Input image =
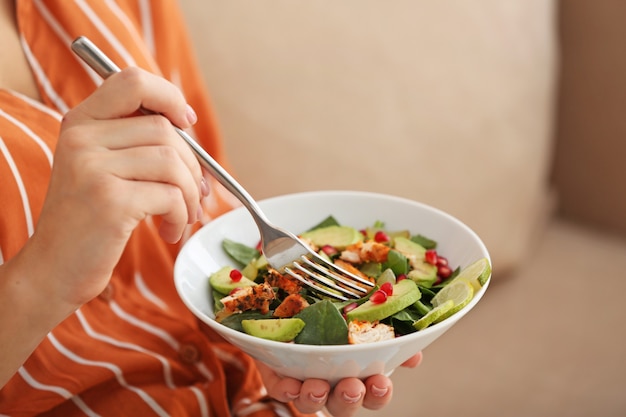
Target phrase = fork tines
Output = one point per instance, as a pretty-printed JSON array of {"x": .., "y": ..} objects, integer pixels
[{"x": 329, "y": 279}]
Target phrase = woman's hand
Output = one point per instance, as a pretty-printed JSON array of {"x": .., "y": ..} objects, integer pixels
[
  {"x": 113, "y": 167},
  {"x": 344, "y": 400}
]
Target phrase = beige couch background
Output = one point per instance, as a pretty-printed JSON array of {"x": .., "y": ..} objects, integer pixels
[
  {"x": 449, "y": 103},
  {"x": 509, "y": 114}
]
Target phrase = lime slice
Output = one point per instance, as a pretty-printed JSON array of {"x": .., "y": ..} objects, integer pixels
[
  {"x": 476, "y": 273},
  {"x": 460, "y": 292},
  {"x": 433, "y": 315}
]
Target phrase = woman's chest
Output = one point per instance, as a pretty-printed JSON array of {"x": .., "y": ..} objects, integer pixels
[{"x": 15, "y": 72}]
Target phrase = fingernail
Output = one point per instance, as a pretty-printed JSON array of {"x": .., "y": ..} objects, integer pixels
[
  {"x": 351, "y": 398},
  {"x": 199, "y": 213},
  {"x": 318, "y": 398},
  {"x": 378, "y": 391},
  {"x": 204, "y": 187},
  {"x": 291, "y": 396},
  {"x": 192, "y": 117}
]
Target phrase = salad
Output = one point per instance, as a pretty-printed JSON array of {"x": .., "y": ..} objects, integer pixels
[{"x": 413, "y": 287}]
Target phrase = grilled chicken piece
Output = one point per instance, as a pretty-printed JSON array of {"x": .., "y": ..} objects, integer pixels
[
  {"x": 368, "y": 332},
  {"x": 257, "y": 297},
  {"x": 347, "y": 266},
  {"x": 370, "y": 251},
  {"x": 291, "y": 305},
  {"x": 285, "y": 282}
]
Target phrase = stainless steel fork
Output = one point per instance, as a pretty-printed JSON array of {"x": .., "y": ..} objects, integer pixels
[{"x": 283, "y": 250}]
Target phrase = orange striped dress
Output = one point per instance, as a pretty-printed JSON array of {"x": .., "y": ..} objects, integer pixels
[{"x": 135, "y": 349}]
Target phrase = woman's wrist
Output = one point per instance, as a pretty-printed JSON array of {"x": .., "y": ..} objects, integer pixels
[{"x": 28, "y": 311}]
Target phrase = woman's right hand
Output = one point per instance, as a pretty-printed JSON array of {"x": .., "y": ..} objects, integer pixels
[{"x": 113, "y": 167}]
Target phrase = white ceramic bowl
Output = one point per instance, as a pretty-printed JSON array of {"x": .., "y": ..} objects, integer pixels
[{"x": 202, "y": 254}]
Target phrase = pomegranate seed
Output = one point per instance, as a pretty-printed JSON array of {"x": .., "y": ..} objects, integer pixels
[
  {"x": 400, "y": 277},
  {"x": 350, "y": 307},
  {"x": 235, "y": 275},
  {"x": 259, "y": 247},
  {"x": 444, "y": 271},
  {"x": 442, "y": 261},
  {"x": 381, "y": 237},
  {"x": 431, "y": 256},
  {"x": 329, "y": 250},
  {"x": 234, "y": 291},
  {"x": 378, "y": 297},
  {"x": 363, "y": 232},
  {"x": 387, "y": 288}
]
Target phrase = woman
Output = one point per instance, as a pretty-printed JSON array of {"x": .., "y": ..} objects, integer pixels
[{"x": 90, "y": 322}]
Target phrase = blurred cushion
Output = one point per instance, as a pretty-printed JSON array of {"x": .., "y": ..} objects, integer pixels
[
  {"x": 589, "y": 171},
  {"x": 449, "y": 103}
]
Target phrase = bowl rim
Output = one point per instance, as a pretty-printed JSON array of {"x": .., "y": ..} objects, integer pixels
[{"x": 344, "y": 348}]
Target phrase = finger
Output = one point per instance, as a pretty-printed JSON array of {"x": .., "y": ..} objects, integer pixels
[
  {"x": 136, "y": 200},
  {"x": 138, "y": 132},
  {"x": 155, "y": 164},
  {"x": 313, "y": 396},
  {"x": 347, "y": 397},
  {"x": 158, "y": 199},
  {"x": 414, "y": 361},
  {"x": 144, "y": 131},
  {"x": 205, "y": 188},
  {"x": 379, "y": 390},
  {"x": 282, "y": 389},
  {"x": 132, "y": 89},
  {"x": 171, "y": 232}
]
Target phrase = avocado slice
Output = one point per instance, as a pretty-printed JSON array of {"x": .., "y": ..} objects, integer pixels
[
  {"x": 279, "y": 330},
  {"x": 404, "y": 294},
  {"x": 339, "y": 237},
  {"x": 386, "y": 276},
  {"x": 409, "y": 248},
  {"x": 221, "y": 282},
  {"x": 423, "y": 273}
]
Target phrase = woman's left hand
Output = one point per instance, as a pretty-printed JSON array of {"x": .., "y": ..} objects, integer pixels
[{"x": 344, "y": 400}]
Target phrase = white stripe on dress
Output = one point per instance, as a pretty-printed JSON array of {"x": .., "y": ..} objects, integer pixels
[
  {"x": 167, "y": 369},
  {"x": 66, "y": 39},
  {"x": 148, "y": 53},
  {"x": 160, "y": 333},
  {"x": 150, "y": 402},
  {"x": 204, "y": 371},
  {"x": 147, "y": 28},
  {"x": 202, "y": 402},
  {"x": 38, "y": 105},
  {"x": 43, "y": 387},
  {"x": 43, "y": 80},
  {"x": 46, "y": 150},
  {"x": 106, "y": 32},
  {"x": 281, "y": 410},
  {"x": 20, "y": 185},
  {"x": 253, "y": 408},
  {"x": 144, "y": 325},
  {"x": 228, "y": 357},
  {"x": 27, "y": 377},
  {"x": 147, "y": 293}
]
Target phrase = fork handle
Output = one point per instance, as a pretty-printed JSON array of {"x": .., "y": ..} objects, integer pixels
[{"x": 105, "y": 67}]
